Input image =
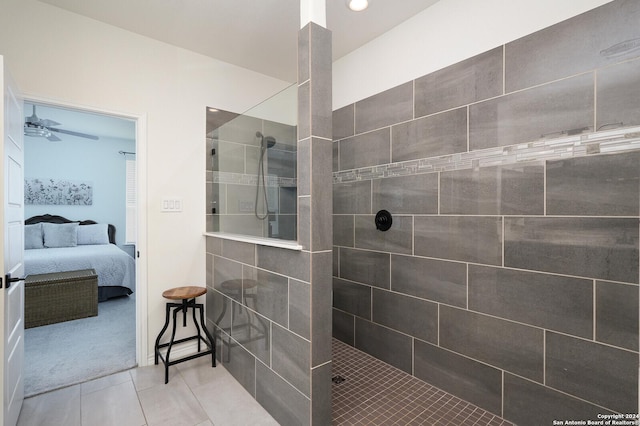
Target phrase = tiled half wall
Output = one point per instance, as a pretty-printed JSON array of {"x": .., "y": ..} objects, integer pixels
[
  {"x": 510, "y": 274},
  {"x": 270, "y": 307}
]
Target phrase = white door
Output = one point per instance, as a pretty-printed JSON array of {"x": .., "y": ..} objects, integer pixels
[{"x": 11, "y": 249}]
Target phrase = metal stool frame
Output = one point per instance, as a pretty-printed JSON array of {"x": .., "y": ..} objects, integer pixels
[{"x": 211, "y": 343}]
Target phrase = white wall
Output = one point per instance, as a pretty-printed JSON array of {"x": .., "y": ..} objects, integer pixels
[
  {"x": 95, "y": 66},
  {"x": 444, "y": 34},
  {"x": 82, "y": 160}
]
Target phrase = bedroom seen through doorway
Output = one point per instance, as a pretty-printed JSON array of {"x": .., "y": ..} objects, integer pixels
[{"x": 80, "y": 203}]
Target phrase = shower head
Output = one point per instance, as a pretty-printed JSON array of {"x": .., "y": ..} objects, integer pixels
[{"x": 270, "y": 140}]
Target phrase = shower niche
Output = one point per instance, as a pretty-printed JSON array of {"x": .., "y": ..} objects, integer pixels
[{"x": 252, "y": 169}]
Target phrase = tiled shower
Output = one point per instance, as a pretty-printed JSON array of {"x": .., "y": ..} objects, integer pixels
[{"x": 509, "y": 277}]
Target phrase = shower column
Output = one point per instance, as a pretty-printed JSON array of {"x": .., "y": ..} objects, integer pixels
[{"x": 315, "y": 199}]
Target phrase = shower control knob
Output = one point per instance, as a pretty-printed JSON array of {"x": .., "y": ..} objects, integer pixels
[{"x": 383, "y": 220}]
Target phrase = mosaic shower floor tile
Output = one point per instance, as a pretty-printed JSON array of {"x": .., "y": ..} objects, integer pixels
[{"x": 367, "y": 391}]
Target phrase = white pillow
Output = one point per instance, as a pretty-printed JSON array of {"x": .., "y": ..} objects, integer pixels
[
  {"x": 93, "y": 234},
  {"x": 60, "y": 234},
  {"x": 33, "y": 237}
]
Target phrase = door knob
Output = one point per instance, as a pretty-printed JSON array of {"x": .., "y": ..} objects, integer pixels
[{"x": 8, "y": 280}]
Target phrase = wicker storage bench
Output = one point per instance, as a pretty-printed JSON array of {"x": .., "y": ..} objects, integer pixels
[{"x": 60, "y": 296}]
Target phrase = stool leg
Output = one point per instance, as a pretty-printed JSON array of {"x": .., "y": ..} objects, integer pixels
[
  {"x": 185, "y": 305},
  {"x": 224, "y": 311},
  {"x": 265, "y": 327},
  {"x": 173, "y": 335},
  {"x": 195, "y": 321},
  {"x": 212, "y": 340},
  {"x": 166, "y": 324},
  {"x": 218, "y": 324}
]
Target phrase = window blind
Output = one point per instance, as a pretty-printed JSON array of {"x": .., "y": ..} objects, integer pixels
[{"x": 130, "y": 225}]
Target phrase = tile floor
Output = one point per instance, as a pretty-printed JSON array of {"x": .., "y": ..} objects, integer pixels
[
  {"x": 375, "y": 393},
  {"x": 196, "y": 395}
]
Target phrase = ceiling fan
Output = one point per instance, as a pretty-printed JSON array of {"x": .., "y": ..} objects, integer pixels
[{"x": 34, "y": 126}]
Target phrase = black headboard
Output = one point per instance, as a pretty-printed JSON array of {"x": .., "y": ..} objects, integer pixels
[{"x": 49, "y": 218}]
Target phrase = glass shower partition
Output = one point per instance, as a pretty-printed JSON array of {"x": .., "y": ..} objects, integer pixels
[{"x": 253, "y": 165}]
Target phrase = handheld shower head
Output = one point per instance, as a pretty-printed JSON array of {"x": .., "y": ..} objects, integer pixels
[
  {"x": 266, "y": 142},
  {"x": 270, "y": 140}
]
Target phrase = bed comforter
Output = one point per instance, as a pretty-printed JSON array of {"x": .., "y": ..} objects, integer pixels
[{"x": 113, "y": 266}]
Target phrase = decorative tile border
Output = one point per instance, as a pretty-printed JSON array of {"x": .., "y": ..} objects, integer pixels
[
  {"x": 246, "y": 179},
  {"x": 624, "y": 139}
]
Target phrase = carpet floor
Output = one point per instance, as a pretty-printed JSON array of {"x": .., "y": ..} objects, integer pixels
[{"x": 71, "y": 352}]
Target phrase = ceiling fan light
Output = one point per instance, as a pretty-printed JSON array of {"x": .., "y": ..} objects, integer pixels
[
  {"x": 358, "y": 5},
  {"x": 36, "y": 131}
]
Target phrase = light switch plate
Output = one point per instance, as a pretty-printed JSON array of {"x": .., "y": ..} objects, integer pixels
[{"x": 171, "y": 205}]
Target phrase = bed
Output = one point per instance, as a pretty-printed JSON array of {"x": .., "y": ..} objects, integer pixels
[{"x": 57, "y": 244}]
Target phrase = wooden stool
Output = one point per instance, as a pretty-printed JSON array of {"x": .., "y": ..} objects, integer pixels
[{"x": 187, "y": 296}]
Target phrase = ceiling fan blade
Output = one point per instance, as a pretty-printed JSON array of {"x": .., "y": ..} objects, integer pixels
[
  {"x": 69, "y": 132},
  {"x": 45, "y": 122},
  {"x": 53, "y": 138}
]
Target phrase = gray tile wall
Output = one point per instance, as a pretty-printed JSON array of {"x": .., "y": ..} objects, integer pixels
[
  {"x": 270, "y": 307},
  {"x": 466, "y": 82},
  {"x": 438, "y": 134},
  {"x": 510, "y": 274}
]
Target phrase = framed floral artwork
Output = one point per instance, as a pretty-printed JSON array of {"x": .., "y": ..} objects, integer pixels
[{"x": 58, "y": 192}]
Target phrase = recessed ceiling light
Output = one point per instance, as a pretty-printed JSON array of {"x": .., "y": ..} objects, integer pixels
[
  {"x": 358, "y": 5},
  {"x": 212, "y": 109}
]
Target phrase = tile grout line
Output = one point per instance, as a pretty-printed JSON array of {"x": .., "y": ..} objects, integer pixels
[
  {"x": 544, "y": 357},
  {"x": 595, "y": 309}
]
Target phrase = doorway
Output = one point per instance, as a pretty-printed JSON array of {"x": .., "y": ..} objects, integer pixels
[{"x": 98, "y": 150}]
